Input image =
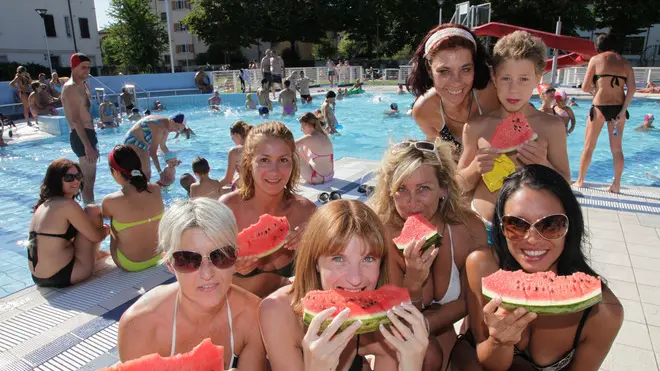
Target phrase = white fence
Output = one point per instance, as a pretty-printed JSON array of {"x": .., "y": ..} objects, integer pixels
[{"x": 575, "y": 75}]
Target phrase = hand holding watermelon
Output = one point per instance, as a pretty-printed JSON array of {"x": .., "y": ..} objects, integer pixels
[
  {"x": 505, "y": 327},
  {"x": 418, "y": 261},
  {"x": 534, "y": 152},
  {"x": 321, "y": 351},
  {"x": 247, "y": 264},
  {"x": 410, "y": 341},
  {"x": 484, "y": 160},
  {"x": 293, "y": 238}
]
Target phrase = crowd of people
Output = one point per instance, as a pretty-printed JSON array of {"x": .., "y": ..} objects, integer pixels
[{"x": 531, "y": 222}]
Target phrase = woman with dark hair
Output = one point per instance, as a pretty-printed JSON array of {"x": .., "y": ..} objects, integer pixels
[
  {"x": 238, "y": 131},
  {"x": 610, "y": 105},
  {"x": 451, "y": 81},
  {"x": 138, "y": 205},
  {"x": 538, "y": 227},
  {"x": 66, "y": 258},
  {"x": 21, "y": 83},
  {"x": 312, "y": 148}
]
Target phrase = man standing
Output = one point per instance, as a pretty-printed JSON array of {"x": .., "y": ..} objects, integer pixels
[
  {"x": 303, "y": 87},
  {"x": 288, "y": 100},
  {"x": 276, "y": 70},
  {"x": 76, "y": 103},
  {"x": 265, "y": 68}
]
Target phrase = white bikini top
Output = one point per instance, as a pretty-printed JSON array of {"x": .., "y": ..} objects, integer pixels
[
  {"x": 234, "y": 358},
  {"x": 454, "y": 287}
]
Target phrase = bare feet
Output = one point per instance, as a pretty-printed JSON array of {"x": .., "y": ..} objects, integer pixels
[
  {"x": 100, "y": 255},
  {"x": 614, "y": 188},
  {"x": 578, "y": 184}
]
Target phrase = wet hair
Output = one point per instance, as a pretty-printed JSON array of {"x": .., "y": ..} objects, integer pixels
[
  {"x": 394, "y": 106},
  {"x": 200, "y": 165},
  {"x": 606, "y": 42},
  {"x": 267, "y": 130},
  {"x": 520, "y": 45},
  {"x": 135, "y": 110},
  {"x": 287, "y": 83},
  {"x": 241, "y": 128},
  {"x": 186, "y": 181},
  {"x": 330, "y": 94},
  {"x": 35, "y": 84},
  {"x": 127, "y": 160},
  {"x": 310, "y": 119},
  {"x": 539, "y": 177},
  {"x": 420, "y": 78},
  {"x": 329, "y": 231},
  {"x": 147, "y": 112},
  {"x": 20, "y": 69},
  {"x": 51, "y": 185}
]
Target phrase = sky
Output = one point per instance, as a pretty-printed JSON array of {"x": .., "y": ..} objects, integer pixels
[{"x": 102, "y": 7}]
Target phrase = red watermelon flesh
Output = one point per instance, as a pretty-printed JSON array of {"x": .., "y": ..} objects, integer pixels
[
  {"x": 415, "y": 228},
  {"x": 512, "y": 132},
  {"x": 543, "y": 292},
  {"x": 204, "y": 357},
  {"x": 369, "y": 306},
  {"x": 264, "y": 237}
]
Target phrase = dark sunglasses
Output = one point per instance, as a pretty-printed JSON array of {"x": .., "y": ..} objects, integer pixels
[
  {"x": 326, "y": 197},
  {"x": 68, "y": 177},
  {"x": 368, "y": 189},
  {"x": 549, "y": 227},
  {"x": 189, "y": 261}
]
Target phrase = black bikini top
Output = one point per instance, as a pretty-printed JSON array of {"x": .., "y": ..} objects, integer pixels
[
  {"x": 68, "y": 235},
  {"x": 614, "y": 81}
]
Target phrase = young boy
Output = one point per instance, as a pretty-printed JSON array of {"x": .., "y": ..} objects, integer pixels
[
  {"x": 302, "y": 85},
  {"x": 262, "y": 96},
  {"x": 205, "y": 186},
  {"x": 126, "y": 100},
  {"x": 186, "y": 181},
  {"x": 249, "y": 102},
  {"x": 135, "y": 114},
  {"x": 168, "y": 175},
  {"x": 328, "y": 112},
  {"x": 287, "y": 99},
  {"x": 518, "y": 64}
]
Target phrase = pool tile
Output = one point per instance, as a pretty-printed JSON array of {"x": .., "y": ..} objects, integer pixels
[
  {"x": 608, "y": 245},
  {"x": 612, "y": 271},
  {"x": 641, "y": 235},
  {"x": 647, "y": 277},
  {"x": 607, "y": 234},
  {"x": 652, "y": 314},
  {"x": 634, "y": 334},
  {"x": 633, "y": 311},
  {"x": 626, "y": 290},
  {"x": 645, "y": 263},
  {"x": 650, "y": 221},
  {"x": 648, "y": 294},
  {"x": 655, "y": 337},
  {"x": 609, "y": 257},
  {"x": 623, "y": 357},
  {"x": 647, "y": 251}
]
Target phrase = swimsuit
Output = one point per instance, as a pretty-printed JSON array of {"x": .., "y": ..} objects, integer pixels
[
  {"x": 358, "y": 361},
  {"x": 564, "y": 361},
  {"x": 63, "y": 277},
  {"x": 126, "y": 263},
  {"x": 314, "y": 156},
  {"x": 560, "y": 114},
  {"x": 77, "y": 145},
  {"x": 610, "y": 111},
  {"x": 446, "y": 135},
  {"x": 488, "y": 224},
  {"x": 234, "y": 358},
  {"x": 289, "y": 110},
  {"x": 454, "y": 287},
  {"x": 286, "y": 271},
  {"x": 129, "y": 138}
]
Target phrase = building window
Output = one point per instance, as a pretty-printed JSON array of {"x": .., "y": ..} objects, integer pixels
[
  {"x": 49, "y": 22},
  {"x": 163, "y": 17},
  {"x": 633, "y": 45},
  {"x": 84, "y": 28},
  {"x": 180, "y": 27},
  {"x": 166, "y": 59},
  {"x": 180, "y": 4},
  {"x": 185, "y": 48},
  {"x": 55, "y": 61},
  {"x": 67, "y": 25}
]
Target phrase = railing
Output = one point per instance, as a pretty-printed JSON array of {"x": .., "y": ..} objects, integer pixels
[{"x": 575, "y": 75}]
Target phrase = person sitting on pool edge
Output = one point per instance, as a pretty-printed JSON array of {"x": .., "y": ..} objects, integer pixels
[
  {"x": 109, "y": 114},
  {"x": 647, "y": 124},
  {"x": 199, "y": 241},
  {"x": 312, "y": 147},
  {"x": 139, "y": 204},
  {"x": 59, "y": 259},
  {"x": 202, "y": 81},
  {"x": 205, "y": 186}
]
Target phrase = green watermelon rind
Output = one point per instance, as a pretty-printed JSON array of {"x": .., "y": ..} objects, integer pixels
[
  {"x": 270, "y": 251},
  {"x": 264, "y": 254},
  {"x": 369, "y": 323},
  {"x": 511, "y": 149},
  {"x": 432, "y": 239},
  {"x": 550, "y": 309}
]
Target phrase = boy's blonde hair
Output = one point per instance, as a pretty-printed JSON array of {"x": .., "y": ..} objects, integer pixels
[{"x": 520, "y": 45}]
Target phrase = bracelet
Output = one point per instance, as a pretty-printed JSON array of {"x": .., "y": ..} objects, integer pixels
[{"x": 428, "y": 327}]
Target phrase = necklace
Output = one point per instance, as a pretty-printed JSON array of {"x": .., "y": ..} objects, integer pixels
[{"x": 444, "y": 112}]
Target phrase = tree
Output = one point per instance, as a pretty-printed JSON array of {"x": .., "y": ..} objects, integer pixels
[
  {"x": 543, "y": 15},
  {"x": 324, "y": 49},
  {"x": 625, "y": 18},
  {"x": 350, "y": 48},
  {"x": 137, "y": 37}
]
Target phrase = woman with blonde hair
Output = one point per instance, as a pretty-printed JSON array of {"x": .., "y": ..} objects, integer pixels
[
  {"x": 345, "y": 248},
  {"x": 418, "y": 177},
  {"x": 21, "y": 83},
  {"x": 198, "y": 240},
  {"x": 269, "y": 175},
  {"x": 312, "y": 147},
  {"x": 238, "y": 131}
]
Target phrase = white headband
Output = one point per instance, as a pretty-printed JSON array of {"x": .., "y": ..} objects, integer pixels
[{"x": 445, "y": 33}]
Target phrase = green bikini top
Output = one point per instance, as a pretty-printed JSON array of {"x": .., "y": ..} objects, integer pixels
[{"x": 118, "y": 226}]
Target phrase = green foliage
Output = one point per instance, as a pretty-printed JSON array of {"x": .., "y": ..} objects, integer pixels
[
  {"x": 625, "y": 18},
  {"x": 350, "y": 48},
  {"x": 226, "y": 24},
  {"x": 8, "y": 70},
  {"x": 324, "y": 49},
  {"x": 543, "y": 15},
  {"x": 137, "y": 37}
]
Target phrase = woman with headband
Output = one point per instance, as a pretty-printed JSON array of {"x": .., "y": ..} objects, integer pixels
[
  {"x": 135, "y": 211},
  {"x": 451, "y": 79}
]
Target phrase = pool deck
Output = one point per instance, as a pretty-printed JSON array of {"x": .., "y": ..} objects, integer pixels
[{"x": 76, "y": 328}]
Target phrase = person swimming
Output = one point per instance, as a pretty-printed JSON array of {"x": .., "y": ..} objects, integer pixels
[
  {"x": 249, "y": 102},
  {"x": 393, "y": 111},
  {"x": 647, "y": 124}
]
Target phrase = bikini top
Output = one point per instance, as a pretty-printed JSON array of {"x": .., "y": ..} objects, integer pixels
[
  {"x": 234, "y": 358},
  {"x": 614, "y": 81},
  {"x": 454, "y": 287},
  {"x": 119, "y": 226},
  {"x": 69, "y": 235},
  {"x": 445, "y": 133},
  {"x": 566, "y": 359},
  {"x": 286, "y": 272}
]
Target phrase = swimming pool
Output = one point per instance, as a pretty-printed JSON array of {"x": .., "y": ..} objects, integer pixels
[{"x": 366, "y": 134}]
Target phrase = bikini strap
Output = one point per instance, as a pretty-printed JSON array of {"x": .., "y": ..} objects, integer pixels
[
  {"x": 231, "y": 330},
  {"x": 451, "y": 243},
  {"x": 476, "y": 100},
  {"x": 583, "y": 320},
  {"x": 176, "y": 306},
  {"x": 442, "y": 113}
]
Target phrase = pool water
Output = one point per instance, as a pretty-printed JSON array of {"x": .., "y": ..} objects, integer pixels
[{"x": 366, "y": 134}]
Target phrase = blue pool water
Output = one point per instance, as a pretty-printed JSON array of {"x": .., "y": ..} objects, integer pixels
[{"x": 366, "y": 134}]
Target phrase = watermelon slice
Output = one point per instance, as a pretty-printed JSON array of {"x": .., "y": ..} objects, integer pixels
[
  {"x": 417, "y": 227},
  {"x": 512, "y": 132},
  {"x": 368, "y": 306},
  {"x": 544, "y": 292},
  {"x": 264, "y": 237},
  {"x": 204, "y": 357}
]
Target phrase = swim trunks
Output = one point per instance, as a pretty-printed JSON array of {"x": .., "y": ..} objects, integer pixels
[{"x": 77, "y": 144}]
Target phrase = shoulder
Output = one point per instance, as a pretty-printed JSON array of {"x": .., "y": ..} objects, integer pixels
[
  {"x": 545, "y": 122},
  {"x": 304, "y": 204},
  {"x": 481, "y": 262},
  {"x": 607, "y": 317},
  {"x": 146, "y": 312},
  {"x": 277, "y": 305},
  {"x": 231, "y": 199},
  {"x": 247, "y": 305}
]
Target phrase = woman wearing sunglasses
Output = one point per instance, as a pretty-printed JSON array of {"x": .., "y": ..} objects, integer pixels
[
  {"x": 538, "y": 227},
  {"x": 315, "y": 150},
  {"x": 344, "y": 247},
  {"x": 198, "y": 239},
  {"x": 269, "y": 174},
  {"x": 57, "y": 258},
  {"x": 134, "y": 210},
  {"x": 418, "y": 177}
]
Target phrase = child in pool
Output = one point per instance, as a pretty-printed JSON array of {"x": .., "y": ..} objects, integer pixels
[
  {"x": 647, "y": 124},
  {"x": 249, "y": 102},
  {"x": 393, "y": 111},
  {"x": 135, "y": 115},
  {"x": 340, "y": 94},
  {"x": 400, "y": 90},
  {"x": 168, "y": 175}
]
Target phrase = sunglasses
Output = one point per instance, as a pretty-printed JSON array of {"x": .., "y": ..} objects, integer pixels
[
  {"x": 189, "y": 261},
  {"x": 421, "y": 145},
  {"x": 68, "y": 177},
  {"x": 549, "y": 227},
  {"x": 326, "y": 197},
  {"x": 368, "y": 189}
]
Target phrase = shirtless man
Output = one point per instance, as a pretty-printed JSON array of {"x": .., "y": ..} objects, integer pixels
[
  {"x": 288, "y": 100},
  {"x": 76, "y": 103},
  {"x": 328, "y": 112},
  {"x": 265, "y": 68},
  {"x": 38, "y": 105},
  {"x": 303, "y": 87},
  {"x": 276, "y": 70},
  {"x": 202, "y": 81},
  {"x": 262, "y": 95}
]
